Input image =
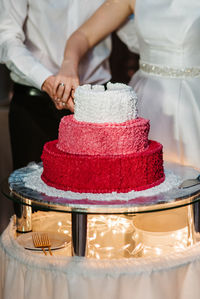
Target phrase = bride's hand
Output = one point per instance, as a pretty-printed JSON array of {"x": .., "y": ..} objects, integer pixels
[{"x": 66, "y": 81}]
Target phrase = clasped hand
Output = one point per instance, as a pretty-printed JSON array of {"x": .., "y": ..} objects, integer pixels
[{"x": 61, "y": 87}]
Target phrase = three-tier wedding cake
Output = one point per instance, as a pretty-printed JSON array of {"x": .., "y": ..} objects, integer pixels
[{"x": 104, "y": 146}]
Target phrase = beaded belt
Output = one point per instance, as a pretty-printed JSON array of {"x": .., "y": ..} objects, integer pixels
[{"x": 170, "y": 72}]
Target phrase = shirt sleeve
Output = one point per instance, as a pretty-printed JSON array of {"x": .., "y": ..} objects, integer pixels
[
  {"x": 13, "y": 51},
  {"x": 127, "y": 34}
]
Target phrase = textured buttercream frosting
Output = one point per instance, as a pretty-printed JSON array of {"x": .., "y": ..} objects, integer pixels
[
  {"x": 116, "y": 104},
  {"x": 103, "y": 174},
  {"x": 77, "y": 137}
]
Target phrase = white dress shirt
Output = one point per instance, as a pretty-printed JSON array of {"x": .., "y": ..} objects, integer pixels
[{"x": 33, "y": 34}]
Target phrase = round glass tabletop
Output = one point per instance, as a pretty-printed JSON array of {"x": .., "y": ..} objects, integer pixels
[{"x": 16, "y": 190}]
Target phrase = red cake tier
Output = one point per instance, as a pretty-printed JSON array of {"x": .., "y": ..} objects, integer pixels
[
  {"x": 85, "y": 138},
  {"x": 102, "y": 174}
]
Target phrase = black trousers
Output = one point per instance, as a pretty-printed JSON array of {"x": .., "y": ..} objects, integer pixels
[{"x": 33, "y": 120}]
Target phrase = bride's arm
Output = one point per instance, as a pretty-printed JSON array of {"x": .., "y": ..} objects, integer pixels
[{"x": 106, "y": 19}]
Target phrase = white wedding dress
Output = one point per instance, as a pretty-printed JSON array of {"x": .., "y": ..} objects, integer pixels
[{"x": 168, "y": 82}]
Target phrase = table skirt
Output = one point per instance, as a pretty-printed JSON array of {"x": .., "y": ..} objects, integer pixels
[{"x": 25, "y": 274}]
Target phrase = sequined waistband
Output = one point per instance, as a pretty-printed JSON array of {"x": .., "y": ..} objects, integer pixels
[{"x": 165, "y": 71}]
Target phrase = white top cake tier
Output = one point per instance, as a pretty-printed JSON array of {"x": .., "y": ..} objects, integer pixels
[{"x": 94, "y": 104}]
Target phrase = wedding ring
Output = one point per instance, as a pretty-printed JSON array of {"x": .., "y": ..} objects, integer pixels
[
  {"x": 63, "y": 103},
  {"x": 57, "y": 100},
  {"x": 62, "y": 84}
]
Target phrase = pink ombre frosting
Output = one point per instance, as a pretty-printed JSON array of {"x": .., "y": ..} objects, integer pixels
[
  {"x": 104, "y": 146},
  {"x": 77, "y": 137}
]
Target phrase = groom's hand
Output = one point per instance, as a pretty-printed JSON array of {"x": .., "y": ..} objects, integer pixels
[{"x": 48, "y": 85}]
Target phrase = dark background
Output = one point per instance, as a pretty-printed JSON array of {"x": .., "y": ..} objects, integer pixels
[{"x": 123, "y": 62}]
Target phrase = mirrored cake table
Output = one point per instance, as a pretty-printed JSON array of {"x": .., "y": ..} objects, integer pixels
[{"x": 144, "y": 226}]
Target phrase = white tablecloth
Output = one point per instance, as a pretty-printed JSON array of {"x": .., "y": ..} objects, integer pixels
[{"x": 27, "y": 275}]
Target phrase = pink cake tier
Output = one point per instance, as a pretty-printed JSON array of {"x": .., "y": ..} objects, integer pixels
[
  {"x": 102, "y": 173},
  {"x": 77, "y": 137}
]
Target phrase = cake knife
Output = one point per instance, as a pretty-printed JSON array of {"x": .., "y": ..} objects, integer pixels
[{"x": 190, "y": 182}]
